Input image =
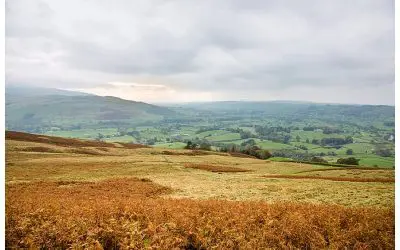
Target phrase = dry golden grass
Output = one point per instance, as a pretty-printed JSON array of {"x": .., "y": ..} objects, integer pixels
[
  {"x": 236, "y": 154},
  {"x": 40, "y": 149},
  {"x": 81, "y": 196},
  {"x": 215, "y": 168},
  {"x": 169, "y": 170},
  {"x": 125, "y": 213},
  {"x": 391, "y": 180},
  {"x": 64, "y": 142}
]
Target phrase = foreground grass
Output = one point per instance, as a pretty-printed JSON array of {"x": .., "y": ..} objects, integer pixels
[
  {"x": 63, "y": 193},
  {"x": 128, "y": 213}
]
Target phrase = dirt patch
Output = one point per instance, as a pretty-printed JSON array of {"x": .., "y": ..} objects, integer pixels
[
  {"x": 215, "y": 168},
  {"x": 133, "y": 146},
  {"x": 103, "y": 149},
  {"x": 85, "y": 151},
  {"x": 236, "y": 154}
]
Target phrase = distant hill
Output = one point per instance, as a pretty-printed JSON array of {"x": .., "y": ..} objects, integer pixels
[
  {"x": 297, "y": 111},
  {"x": 32, "y": 109},
  {"x": 31, "y": 91}
]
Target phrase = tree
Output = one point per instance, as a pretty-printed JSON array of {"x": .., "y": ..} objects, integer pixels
[
  {"x": 245, "y": 134},
  {"x": 302, "y": 147},
  {"x": 315, "y": 141},
  {"x": 348, "y": 161},
  {"x": 99, "y": 137},
  {"x": 349, "y": 151},
  {"x": 286, "y": 139},
  {"x": 318, "y": 159},
  {"x": 151, "y": 141},
  {"x": 205, "y": 146},
  {"x": 349, "y": 139},
  {"x": 189, "y": 145},
  {"x": 263, "y": 154},
  {"x": 307, "y": 140},
  {"x": 298, "y": 138},
  {"x": 384, "y": 152},
  {"x": 250, "y": 142},
  {"x": 309, "y": 128}
]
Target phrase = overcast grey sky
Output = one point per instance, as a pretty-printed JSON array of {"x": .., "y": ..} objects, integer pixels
[{"x": 158, "y": 51}]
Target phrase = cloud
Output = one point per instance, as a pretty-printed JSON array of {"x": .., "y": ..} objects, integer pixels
[
  {"x": 256, "y": 50},
  {"x": 154, "y": 93}
]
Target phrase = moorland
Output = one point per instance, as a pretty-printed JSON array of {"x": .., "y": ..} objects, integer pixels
[{"x": 73, "y": 193}]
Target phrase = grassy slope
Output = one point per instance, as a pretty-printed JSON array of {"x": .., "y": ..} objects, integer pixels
[
  {"x": 65, "y": 110},
  {"x": 110, "y": 210},
  {"x": 169, "y": 170}
]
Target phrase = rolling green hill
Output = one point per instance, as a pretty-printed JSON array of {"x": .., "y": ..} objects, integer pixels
[{"x": 35, "y": 109}]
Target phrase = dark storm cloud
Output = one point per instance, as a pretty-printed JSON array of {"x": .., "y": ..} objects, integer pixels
[{"x": 229, "y": 48}]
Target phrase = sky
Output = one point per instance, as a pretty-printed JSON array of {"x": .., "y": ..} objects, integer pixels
[{"x": 335, "y": 51}]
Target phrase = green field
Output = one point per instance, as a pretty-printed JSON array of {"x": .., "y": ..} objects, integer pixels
[{"x": 282, "y": 128}]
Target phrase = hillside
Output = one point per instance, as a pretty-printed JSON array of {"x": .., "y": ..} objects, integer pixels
[
  {"x": 299, "y": 110},
  {"x": 64, "y": 193},
  {"x": 38, "y": 110}
]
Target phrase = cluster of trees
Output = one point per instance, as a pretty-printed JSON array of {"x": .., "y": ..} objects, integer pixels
[
  {"x": 202, "y": 145},
  {"x": 276, "y": 134},
  {"x": 293, "y": 154},
  {"x": 336, "y": 141},
  {"x": 309, "y": 128},
  {"x": 244, "y": 134},
  {"x": 250, "y": 142},
  {"x": 348, "y": 161},
  {"x": 130, "y": 133},
  {"x": 315, "y": 141},
  {"x": 329, "y": 130},
  {"x": 248, "y": 150},
  {"x": 389, "y": 124},
  {"x": 325, "y": 130},
  {"x": 384, "y": 152},
  {"x": 301, "y": 156},
  {"x": 302, "y": 147},
  {"x": 318, "y": 159},
  {"x": 266, "y": 130},
  {"x": 152, "y": 141}
]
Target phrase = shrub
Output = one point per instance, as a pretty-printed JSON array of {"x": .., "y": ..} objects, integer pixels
[
  {"x": 348, "y": 161},
  {"x": 318, "y": 159}
]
